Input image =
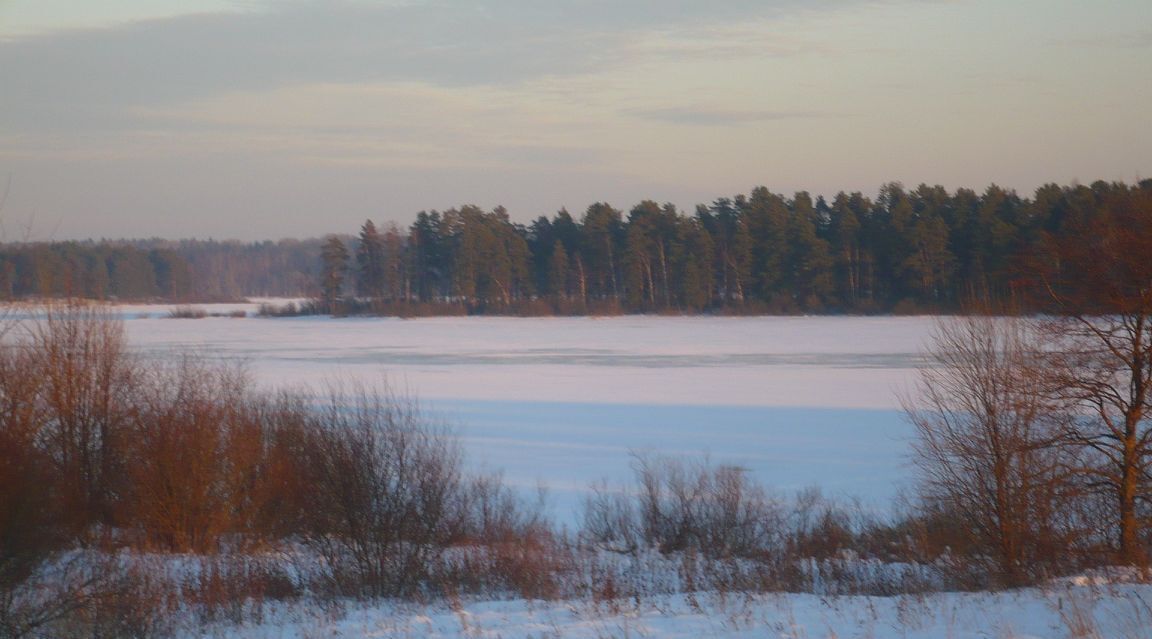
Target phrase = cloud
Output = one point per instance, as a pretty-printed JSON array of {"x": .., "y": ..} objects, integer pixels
[
  {"x": 83, "y": 79},
  {"x": 723, "y": 117},
  {"x": 743, "y": 39},
  {"x": 1120, "y": 40}
]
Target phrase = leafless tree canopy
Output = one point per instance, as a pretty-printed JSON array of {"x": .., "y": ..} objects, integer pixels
[
  {"x": 1098, "y": 288},
  {"x": 985, "y": 440}
]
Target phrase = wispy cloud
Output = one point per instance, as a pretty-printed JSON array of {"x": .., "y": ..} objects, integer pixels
[
  {"x": 756, "y": 38},
  {"x": 1119, "y": 40},
  {"x": 78, "y": 79},
  {"x": 723, "y": 117}
]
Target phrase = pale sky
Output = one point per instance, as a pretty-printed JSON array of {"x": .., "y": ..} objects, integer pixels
[{"x": 262, "y": 119}]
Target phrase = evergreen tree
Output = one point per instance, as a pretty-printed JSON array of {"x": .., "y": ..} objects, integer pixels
[
  {"x": 541, "y": 242},
  {"x": 844, "y": 235},
  {"x": 558, "y": 275},
  {"x": 809, "y": 276},
  {"x": 395, "y": 273},
  {"x": 766, "y": 215},
  {"x": 693, "y": 260},
  {"x": 427, "y": 257},
  {"x": 333, "y": 269},
  {"x": 603, "y": 235},
  {"x": 370, "y": 263}
]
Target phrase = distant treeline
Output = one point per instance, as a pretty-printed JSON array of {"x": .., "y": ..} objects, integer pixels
[
  {"x": 185, "y": 270},
  {"x": 905, "y": 251},
  {"x": 921, "y": 250}
]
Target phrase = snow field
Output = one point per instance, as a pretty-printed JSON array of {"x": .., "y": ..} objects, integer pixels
[
  {"x": 1113, "y": 612},
  {"x": 563, "y": 402}
]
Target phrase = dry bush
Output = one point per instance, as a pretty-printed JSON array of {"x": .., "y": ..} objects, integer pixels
[
  {"x": 190, "y": 454},
  {"x": 820, "y": 528},
  {"x": 610, "y": 519},
  {"x": 715, "y": 510},
  {"x": 273, "y": 445},
  {"x": 383, "y": 482},
  {"x": 389, "y": 511},
  {"x": 234, "y": 588},
  {"x": 187, "y": 312},
  {"x": 217, "y": 461},
  {"x": 487, "y": 511},
  {"x": 64, "y": 382},
  {"x": 714, "y": 529},
  {"x": 501, "y": 543},
  {"x": 82, "y": 403},
  {"x": 94, "y": 444},
  {"x": 679, "y": 505},
  {"x": 29, "y": 533},
  {"x": 537, "y": 565},
  {"x": 88, "y": 594},
  {"x": 29, "y": 514},
  {"x": 534, "y": 566},
  {"x": 101, "y": 449},
  {"x": 291, "y": 309}
]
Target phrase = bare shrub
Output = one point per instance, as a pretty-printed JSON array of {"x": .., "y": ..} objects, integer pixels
[
  {"x": 29, "y": 514},
  {"x": 187, "y": 312},
  {"x": 190, "y": 454},
  {"x": 29, "y": 535},
  {"x": 715, "y": 510},
  {"x": 383, "y": 481},
  {"x": 819, "y": 527},
  {"x": 502, "y": 543},
  {"x": 272, "y": 447},
  {"x": 233, "y": 588},
  {"x": 87, "y": 594},
  {"x": 537, "y": 565},
  {"x": 487, "y": 511},
  {"x": 610, "y": 519},
  {"x": 84, "y": 396},
  {"x": 291, "y": 309},
  {"x": 679, "y": 505},
  {"x": 64, "y": 382}
]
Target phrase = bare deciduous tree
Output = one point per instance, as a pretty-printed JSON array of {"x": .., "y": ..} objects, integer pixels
[
  {"x": 984, "y": 447},
  {"x": 1098, "y": 282}
]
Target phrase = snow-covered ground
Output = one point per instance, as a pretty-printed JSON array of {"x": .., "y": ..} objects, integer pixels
[{"x": 1114, "y": 612}]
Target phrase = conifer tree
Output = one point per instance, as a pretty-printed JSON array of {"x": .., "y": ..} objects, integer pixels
[
  {"x": 370, "y": 263},
  {"x": 333, "y": 269}
]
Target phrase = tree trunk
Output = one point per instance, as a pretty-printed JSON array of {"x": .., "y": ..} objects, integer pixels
[{"x": 1131, "y": 552}]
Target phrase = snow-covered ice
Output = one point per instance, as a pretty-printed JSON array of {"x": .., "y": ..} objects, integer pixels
[
  {"x": 827, "y": 362},
  {"x": 799, "y": 401}
]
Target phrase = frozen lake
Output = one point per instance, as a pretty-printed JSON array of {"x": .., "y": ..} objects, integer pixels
[{"x": 798, "y": 401}]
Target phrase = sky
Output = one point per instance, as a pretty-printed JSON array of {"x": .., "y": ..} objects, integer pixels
[{"x": 263, "y": 119}]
